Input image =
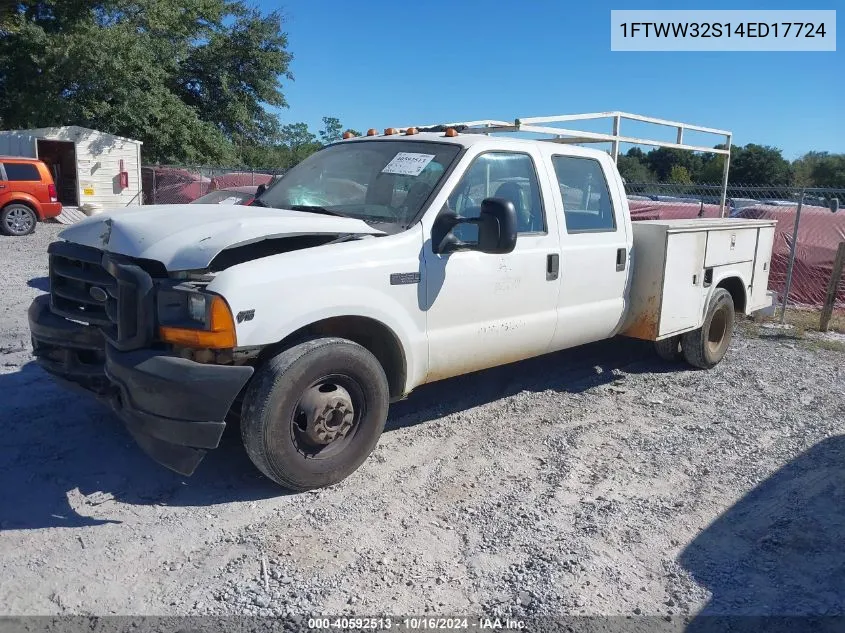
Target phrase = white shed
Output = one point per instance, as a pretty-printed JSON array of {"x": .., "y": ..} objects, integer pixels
[{"x": 89, "y": 167}]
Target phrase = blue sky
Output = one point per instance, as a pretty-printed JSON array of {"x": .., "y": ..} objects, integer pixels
[{"x": 378, "y": 63}]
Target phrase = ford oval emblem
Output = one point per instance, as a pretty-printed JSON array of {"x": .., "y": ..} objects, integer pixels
[{"x": 98, "y": 294}]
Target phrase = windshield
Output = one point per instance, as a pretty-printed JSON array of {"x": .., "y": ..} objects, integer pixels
[{"x": 375, "y": 181}]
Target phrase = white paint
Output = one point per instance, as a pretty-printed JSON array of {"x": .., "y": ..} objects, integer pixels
[
  {"x": 670, "y": 258},
  {"x": 470, "y": 310},
  {"x": 188, "y": 237}
]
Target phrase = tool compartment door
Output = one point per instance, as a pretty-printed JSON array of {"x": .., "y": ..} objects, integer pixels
[
  {"x": 683, "y": 292},
  {"x": 762, "y": 268},
  {"x": 730, "y": 246}
]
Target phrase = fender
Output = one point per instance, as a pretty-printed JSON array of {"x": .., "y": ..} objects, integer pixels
[
  {"x": 721, "y": 273},
  {"x": 21, "y": 196},
  {"x": 287, "y": 292}
]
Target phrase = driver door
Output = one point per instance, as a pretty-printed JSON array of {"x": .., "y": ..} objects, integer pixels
[{"x": 484, "y": 310}]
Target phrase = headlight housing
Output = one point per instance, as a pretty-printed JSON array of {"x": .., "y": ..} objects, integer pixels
[{"x": 194, "y": 318}]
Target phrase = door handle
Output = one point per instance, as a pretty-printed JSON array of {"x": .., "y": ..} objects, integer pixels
[
  {"x": 552, "y": 266},
  {"x": 620, "y": 259}
]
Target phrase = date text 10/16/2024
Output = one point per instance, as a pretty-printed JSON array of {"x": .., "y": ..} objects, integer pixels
[{"x": 413, "y": 624}]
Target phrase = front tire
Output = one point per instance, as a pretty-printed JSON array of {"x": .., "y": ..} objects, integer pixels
[
  {"x": 17, "y": 220},
  {"x": 313, "y": 413},
  {"x": 706, "y": 347}
]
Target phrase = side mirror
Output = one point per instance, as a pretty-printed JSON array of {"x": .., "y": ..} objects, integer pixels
[
  {"x": 834, "y": 205},
  {"x": 497, "y": 226},
  {"x": 496, "y": 229}
]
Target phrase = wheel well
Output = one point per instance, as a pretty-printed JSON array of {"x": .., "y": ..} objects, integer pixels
[
  {"x": 376, "y": 337},
  {"x": 735, "y": 286},
  {"x": 25, "y": 203}
]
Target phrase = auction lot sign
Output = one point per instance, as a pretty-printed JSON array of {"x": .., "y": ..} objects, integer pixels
[{"x": 729, "y": 30}]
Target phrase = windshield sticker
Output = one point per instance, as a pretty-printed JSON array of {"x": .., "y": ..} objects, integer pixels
[{"x": 408, "y": 164}]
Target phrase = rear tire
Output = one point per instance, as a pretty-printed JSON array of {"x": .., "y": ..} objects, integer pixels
[
  {"x": 17, "y": 219},
  {"x": 706, "y": 347},
  {"x": 669, "y": 349},
  {"x": 313, "y": 413}
]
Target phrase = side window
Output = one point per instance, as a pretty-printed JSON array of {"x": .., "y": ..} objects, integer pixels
[
  {"x": 500, "y": 175},
  {"x": 21, "y": 171},
  {"x": 586, "y": 199}
]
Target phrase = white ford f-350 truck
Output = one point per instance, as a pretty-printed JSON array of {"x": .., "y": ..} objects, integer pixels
[{"x": 380, "y": 263}]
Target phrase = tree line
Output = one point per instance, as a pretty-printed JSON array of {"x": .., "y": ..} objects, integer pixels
[
  {"x": 750, "y": 164},
  {"x": 194, "y": 80}
]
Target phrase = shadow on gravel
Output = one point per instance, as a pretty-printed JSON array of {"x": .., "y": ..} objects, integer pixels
[
  {"x": 573, "y": 371},
  {"x": 39, "y": 283},
  {"x": 64, "y": 457},
  {"x": 779, "y": 551}
]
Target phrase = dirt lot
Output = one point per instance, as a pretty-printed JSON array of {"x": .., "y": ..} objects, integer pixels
[{"x": 599, "y": 481}]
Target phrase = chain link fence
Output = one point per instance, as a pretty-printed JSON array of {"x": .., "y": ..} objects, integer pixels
[
  {"x": 175, "y": 184},
  {"x": 807, "y": 235}
]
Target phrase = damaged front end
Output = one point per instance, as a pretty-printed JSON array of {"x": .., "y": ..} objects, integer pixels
[{"x": 97, "y": 332}]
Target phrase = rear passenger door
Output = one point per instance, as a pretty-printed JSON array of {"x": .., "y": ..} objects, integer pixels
[
  {"x": 20, "y": 177},
  {"x": 595, "y": 249}
]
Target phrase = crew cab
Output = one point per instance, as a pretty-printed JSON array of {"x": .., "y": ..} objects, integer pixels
[{"x": 380, "y": 263}]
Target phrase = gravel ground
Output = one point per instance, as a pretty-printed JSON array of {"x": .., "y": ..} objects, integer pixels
[{"x": 594, "y": 481}]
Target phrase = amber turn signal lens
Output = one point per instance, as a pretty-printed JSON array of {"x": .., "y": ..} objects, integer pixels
[{"x": 220, "y": 335}]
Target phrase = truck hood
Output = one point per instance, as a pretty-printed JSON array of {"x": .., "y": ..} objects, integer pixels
[{"x": 189, "y": 236}]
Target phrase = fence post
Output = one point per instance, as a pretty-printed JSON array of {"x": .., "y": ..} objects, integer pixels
[
  {"x": 791, "y": 257},
  {"x": 832, "y": 287},
  {"x": 724, "y": 196}
]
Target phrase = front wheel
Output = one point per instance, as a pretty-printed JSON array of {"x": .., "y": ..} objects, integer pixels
[
  {"x": 313, "y": 413},
  {"x": 706, "y": 347},
  {"x": 17, "y": 219}
]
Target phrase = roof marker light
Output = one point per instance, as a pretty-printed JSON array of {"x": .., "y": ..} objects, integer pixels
[
  {"x": 390, "y": 130},
  {"x": 451, "y": 132},
  {"x": 372, "y": 131},
  {"x": 347, "y": 135},
  {"x": 410, "y": 131}
]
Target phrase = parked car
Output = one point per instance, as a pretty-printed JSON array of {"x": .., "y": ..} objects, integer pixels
[
  {"x": 230, "y": 195},
  {"x": 27, "y": 195}
]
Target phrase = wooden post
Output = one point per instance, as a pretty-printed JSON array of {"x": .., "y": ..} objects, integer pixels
[{"x": 832, "y": 286}]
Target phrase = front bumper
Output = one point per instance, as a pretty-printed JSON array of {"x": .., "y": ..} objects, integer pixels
[{"x": 174, "y": 408}]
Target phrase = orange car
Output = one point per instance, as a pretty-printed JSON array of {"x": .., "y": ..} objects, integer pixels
[{"x": 27, "y": 195}]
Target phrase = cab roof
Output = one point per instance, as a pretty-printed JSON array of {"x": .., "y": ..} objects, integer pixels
[{"x": 471, "y": 139}]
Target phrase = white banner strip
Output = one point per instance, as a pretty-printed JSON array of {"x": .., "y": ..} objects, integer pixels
[{"x": 729, "y": 30}]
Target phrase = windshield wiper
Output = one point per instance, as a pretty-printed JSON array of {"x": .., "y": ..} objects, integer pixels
[
  {"x": 258, "y": 203},
  {"x": 316, "y": 209}
]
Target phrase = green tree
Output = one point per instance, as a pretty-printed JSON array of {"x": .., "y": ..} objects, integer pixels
[
  {"x": 758, "y": 165},
  {"x": 662, "y": 159},
  {"x": 820, "y": 169},
  {"x": 679, "y": 174},
  {"x": 189, "y": 79},
  {"x": 633, "y": 170},
  {"x": 331, "y": 131}
]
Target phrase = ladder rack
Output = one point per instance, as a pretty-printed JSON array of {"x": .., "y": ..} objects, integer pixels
[{"x": 541, "y": 126}]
